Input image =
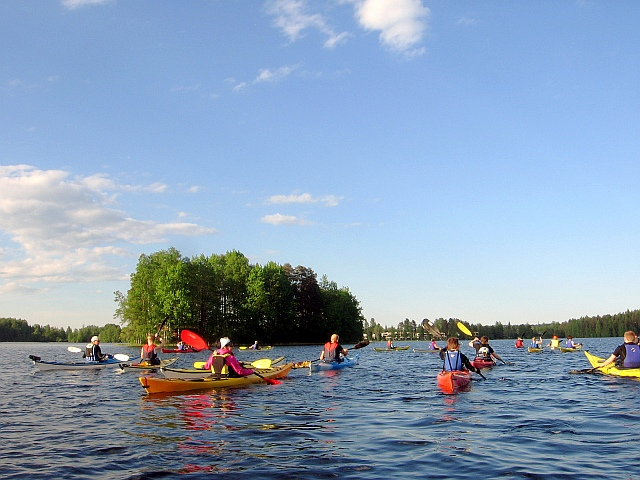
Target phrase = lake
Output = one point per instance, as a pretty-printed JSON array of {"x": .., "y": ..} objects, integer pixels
[{"x": 383, "y": 419}]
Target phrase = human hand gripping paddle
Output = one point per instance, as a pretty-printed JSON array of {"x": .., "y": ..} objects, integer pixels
[
  {"x": 118, "y": 356},
  {"x": 198, "y": 342}
]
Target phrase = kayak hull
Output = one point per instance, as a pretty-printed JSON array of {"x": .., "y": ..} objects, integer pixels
[
  {"x": 452, "y": 382},
  {"x": 612, "y": 369},
  {"x": 385, "y": 349},
  {"x": 142, "y": 366},
  {"x": 426, "y": 350},
  {"x": 534, "y": 350},
  {"x": 176, "y": 385},
  {"x": 51, "y": 366},
  {"x": 481, "y": 363},
  {"x": 346, "y": 363},
  {"x": 567, "y": 350}
]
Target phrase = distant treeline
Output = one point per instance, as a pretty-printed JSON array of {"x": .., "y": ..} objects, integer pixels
[
  {"x": 584, "y": 327},
  {"x": 17, "y": 330}
]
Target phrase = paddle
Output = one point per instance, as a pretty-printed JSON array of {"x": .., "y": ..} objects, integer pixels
[
  {"x": 196, "y": 341},
  {"x": 463, "y": 328},
  {"x": 261, "y": 363},
  {"x": 118, "y": 356}
]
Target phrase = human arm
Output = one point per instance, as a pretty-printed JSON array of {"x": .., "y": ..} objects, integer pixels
[
  {"x": 467, "y": 363},
  {"x": 232, "y": 362},
  {"x": 322, "y": 355},
  {"x": 608, "y": 361}
]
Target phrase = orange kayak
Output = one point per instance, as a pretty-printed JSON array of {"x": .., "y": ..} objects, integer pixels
[
  {"x": 451, "y": 382},
  {"x": 176, "y": 385}
]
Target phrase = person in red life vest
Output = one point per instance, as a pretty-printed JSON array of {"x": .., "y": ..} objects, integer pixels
[
  {"x": 626, "y": 355},
  {"x": 149, "y": 351},
  {"x": 332, "y": 350},
  {"x": 223, "y": 363},
  {"x": 519, "y": 343}
]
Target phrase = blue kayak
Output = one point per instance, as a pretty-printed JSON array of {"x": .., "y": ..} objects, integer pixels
[
  {"x": 321, "y": 365},
  {"x": 47, "y": 366}
]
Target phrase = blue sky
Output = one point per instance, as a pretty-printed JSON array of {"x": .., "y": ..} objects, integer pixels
[{"x": 477, "y": 160}]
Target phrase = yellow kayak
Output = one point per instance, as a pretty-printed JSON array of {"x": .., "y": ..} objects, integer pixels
[
  {"x": 174, "y": 385},
  {"x": 533, "y": 349},
  {"x": 612, "y": 369}
]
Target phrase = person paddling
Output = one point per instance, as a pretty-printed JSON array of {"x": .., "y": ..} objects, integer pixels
[
  {"x": 149, "y": 351},
  {"x": 626, "y": 355},
  {"x": 453, "y": 359},
  {"x": 223, "y": 362},
  {"x": 93, "y": 353},
  {"x": 535, "y": 343},
  {"x": 433, "y": 345},
  {"x": 484, "y": 351},
  {"x": 332, "y": 350},
  {"x": 570, "y": 342}
]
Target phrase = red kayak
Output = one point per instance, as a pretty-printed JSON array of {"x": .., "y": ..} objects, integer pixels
[
  {"x": 175, "y": 350},
  {"x": 483, "y": 363},
  {"x": 451, "y": 382}
]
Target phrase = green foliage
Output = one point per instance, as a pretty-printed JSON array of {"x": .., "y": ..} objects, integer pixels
[{"x": 224, "y": 295}]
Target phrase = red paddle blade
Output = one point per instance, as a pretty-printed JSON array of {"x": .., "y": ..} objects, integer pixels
[
  {"x": 270, "y": 381},
  {"x": 190, "y": 338}
]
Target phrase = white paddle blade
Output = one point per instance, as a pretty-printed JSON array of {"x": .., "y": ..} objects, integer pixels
[
  {"x": 74, "y": 349},
  {"x": 121, "y": 357}
]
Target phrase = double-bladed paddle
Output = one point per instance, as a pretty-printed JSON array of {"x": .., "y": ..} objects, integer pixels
[
  {"x": 118, "y": 356},
  {"x": 198, "y": 342},
  {"x": 463, "y": 328}
]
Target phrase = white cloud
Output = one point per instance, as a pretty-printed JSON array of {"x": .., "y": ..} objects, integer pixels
[
  {"x": 402, "y": 23},
  {"x": 65, "y": 229},
  {"x": 279, "y": 219},
  {"x": 73, "y": 4},
  {"x": 292, "y": 18},
  {"x": 327, "y": 200}
]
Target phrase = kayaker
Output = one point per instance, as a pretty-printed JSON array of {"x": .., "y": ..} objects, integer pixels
[
  {"x": 626, "y": 355},
  {"x": 519, "y": 343},
  {"x": 390, "y": 344},
  {"x": 433, "y": 345},
  {"x": 223, "y": 362},
  {"x": 485, "y": 351},
  {"x": 570, "y": 343},
  {"x": 555, "y": 342},
  {"x": 534, "y": 343},
  {"x": 453, "y": 359},
  {"x": 149, "y": 351},
  {"x": 93, "y": 353},
  {"x": 332, "y": 350},
  {"x": 181, "y": 345},
  {"x": 255, "y": 346}
]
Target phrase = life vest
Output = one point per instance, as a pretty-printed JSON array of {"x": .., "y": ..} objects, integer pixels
[
  {"x": 330, "y": 354},
  {"x": 632, "y": 358},
  {"x": 534, "y": 345},
  {"x": 483, "y": 352},
  {"x": 219, "y": 366},
  {"x": 519, "y": 343},
  {"x": 452, "y": 361},
  {"x": 149, "y": 354},
  {"x": 433, "y": 346},
  {"x": 555, "y": 343},
  {"x": 88, "y": 353}
]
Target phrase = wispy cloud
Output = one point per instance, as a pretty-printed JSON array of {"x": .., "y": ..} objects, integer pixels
[
  {"x": 401, "y": 23},
  {"x": 294, "y": 19},
  {"x": 279, "y": 219},
  {"x": 267, "y": 75},
  {"x": 65, "y": 229},
  {"x": 327, "y": 200},
  {"x": 73, "y": 4}
]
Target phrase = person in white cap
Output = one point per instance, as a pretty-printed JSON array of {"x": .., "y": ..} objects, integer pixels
[
  {"x": 223, "y": 362},
  {"x": 92, "y": 352}
]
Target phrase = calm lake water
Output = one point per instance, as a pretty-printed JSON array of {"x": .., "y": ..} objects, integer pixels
[{"x": 382, "y": 419}]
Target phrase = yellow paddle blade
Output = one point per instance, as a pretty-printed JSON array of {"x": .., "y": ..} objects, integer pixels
[
  {"x": 463, "y": 328},
  {"x": 262, "y": 363}
]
